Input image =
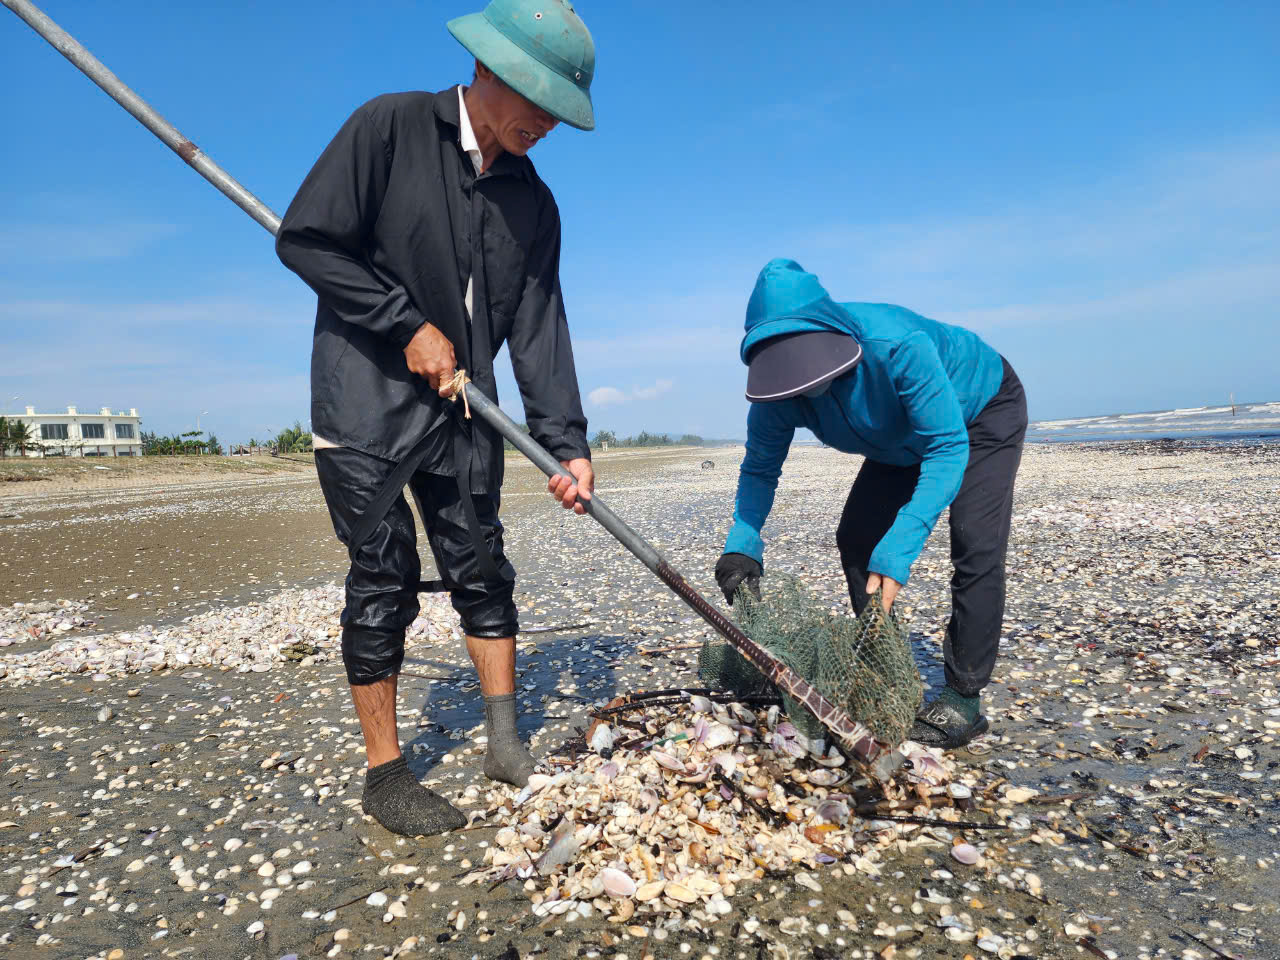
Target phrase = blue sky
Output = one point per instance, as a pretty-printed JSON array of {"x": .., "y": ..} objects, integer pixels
[{"x": 1095, "y": 188}]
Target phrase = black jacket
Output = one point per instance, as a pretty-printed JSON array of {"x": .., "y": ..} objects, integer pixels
[{"x": 386, "y": 229}]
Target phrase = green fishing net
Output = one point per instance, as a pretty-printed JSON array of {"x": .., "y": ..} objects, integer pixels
[{"x": 862, "y": 665}]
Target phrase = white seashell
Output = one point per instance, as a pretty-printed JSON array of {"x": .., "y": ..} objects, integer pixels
[
  {"x": 717, "y": 735},
  {"x": 965, "y": 853},
  {"x": 823, "y": 777},
  {"x": 561, "y": 848},
  {"x": 680, "y": 892},
  {"x": 602, "y": 739},
  {"x": 959, "y": 791},
  {"x": 651, "y": 890},
  {"x": 793, "y": 926},
  {"x": 616, "y": 883},
  {"x": 927, "y": 766},
  {"x": 698, "y": 775},
  {"x": 667, "y": 760},
  {"x": 702, "y": 885},
  {"x": 742, "y": 714},
  {"x": 834, "y": 758},
  {"x": 771, "y": 717},
  {"x": 609, "y": 770},
  {"x": 700, "y": 704},
  {"x": 727, "y": 762}
]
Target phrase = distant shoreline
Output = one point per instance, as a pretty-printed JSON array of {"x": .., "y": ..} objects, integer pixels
[{"x": 1188, "y": 438}]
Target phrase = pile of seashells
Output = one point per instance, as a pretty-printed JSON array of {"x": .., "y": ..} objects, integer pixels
[
  {"x": 292, "y": 625},
  {"x": 684, "y": 806}
]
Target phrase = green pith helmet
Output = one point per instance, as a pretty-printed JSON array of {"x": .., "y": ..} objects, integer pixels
[{"x": 541, "y": 49}]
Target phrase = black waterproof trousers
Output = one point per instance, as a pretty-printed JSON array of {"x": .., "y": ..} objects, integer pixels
[
  {"x": 980, "y": 518},
  {"x": 382, "y": 585}
]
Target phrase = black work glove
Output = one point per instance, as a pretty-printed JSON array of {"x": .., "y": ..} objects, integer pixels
[{"x": 734, "y": 569}]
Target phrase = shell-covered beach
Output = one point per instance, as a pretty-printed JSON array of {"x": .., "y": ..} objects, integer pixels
[{"x": 183, "y": 769}]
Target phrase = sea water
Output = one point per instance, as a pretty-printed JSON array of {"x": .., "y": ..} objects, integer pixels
[{"x": 1243, "y": 423}]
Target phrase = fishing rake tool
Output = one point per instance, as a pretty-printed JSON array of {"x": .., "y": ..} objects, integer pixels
[{"x": 880, "y": 759}]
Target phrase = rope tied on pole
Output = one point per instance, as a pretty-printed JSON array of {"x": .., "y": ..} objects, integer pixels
[{"x": 458, "y": 386}]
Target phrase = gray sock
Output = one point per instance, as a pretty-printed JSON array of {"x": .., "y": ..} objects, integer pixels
[
  {"x": 505, "y": 757},
  {"x": 395, "y": 798}
]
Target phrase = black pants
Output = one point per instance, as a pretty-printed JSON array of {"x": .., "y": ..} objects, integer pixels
[
  {"x": 980, "y": 517},
  {"x": 382, "y": 585}
]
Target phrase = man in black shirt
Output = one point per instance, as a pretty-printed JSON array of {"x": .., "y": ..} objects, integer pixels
[{"x": 430, "y": 241}]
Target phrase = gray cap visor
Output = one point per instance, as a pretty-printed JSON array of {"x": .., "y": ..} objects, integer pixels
[{"x": 794, "y": 363}]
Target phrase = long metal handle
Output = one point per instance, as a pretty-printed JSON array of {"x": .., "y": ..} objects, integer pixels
[
  {"x": 496, "y": 418},
  {"x": 854, "y": 735}
]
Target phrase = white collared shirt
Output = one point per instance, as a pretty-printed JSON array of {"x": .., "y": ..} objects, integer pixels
[
  {"x": 467, "y": 140},
  {"x": 467, "y": 136}
]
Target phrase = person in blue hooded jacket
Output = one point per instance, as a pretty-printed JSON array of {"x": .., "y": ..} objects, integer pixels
[{"x": 939, "y": 416}]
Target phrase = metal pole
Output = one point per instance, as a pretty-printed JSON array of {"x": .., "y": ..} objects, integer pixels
[
  {"x": 119, "y": 91},
  {"x": 492, "y": 414},
  {"x": 857, "y": 738}
]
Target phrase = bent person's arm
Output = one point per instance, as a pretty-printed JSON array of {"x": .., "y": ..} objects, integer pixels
[
  {"x": 934, "y": 413},
  {"x": 769, "y": 437},
  {"x": 323, "y": 235},
  {"x": 542, "y": 355}
]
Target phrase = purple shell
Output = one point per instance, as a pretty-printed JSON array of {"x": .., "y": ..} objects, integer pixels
[{"x": 965, "y": 853}]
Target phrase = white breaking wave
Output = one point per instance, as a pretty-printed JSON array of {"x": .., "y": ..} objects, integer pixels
[{"x": 1183, "y": 421}]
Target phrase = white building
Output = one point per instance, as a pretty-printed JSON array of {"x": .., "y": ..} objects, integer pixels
[{"x": 73, "y": 434}]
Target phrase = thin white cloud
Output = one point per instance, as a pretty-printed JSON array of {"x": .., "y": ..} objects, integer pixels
[
  {"x": 1184, "y": 295},
  {"x": 613, "y": 397},
  {"x": 1116, "y": 238},
  {"x": 74, "y": 243},
  {"x": 650, "y": 393},
  {"x": 606, "y": 397}
]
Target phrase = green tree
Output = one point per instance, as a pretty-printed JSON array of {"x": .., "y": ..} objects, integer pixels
[
  {"x": 18, "y": 437},
  {"x": 690, "y": 440},
  {"x": 213, "y": 445},
  {"x": 604, "y": 436},
  {"x": 293, "y": 439},
  {"x": 191, "y": 442}
]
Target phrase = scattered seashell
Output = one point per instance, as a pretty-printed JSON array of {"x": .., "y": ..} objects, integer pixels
[
  {"x": 679, "y": 892},
  {"x": 616, "y": 883},
  {"x": 601, "y": 739},
  {"x": 965, "y": 853},
  {"x": 827, "y": 778},
  {"x": 668, "y": 761},
  {"x": 650, "y": 891}
]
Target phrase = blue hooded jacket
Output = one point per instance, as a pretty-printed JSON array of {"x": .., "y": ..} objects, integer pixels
[{"x": 919, "y": 385}]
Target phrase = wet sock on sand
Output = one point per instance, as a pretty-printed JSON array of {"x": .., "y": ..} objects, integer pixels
[
  {"x": 395, "y": 798},
  {"x": 505, "y": 757}
]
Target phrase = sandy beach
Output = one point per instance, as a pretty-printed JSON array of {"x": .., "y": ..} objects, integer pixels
[{"x": 183, "y": 770}]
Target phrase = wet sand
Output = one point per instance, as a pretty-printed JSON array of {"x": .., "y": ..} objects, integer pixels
[{"x": 1138, "y": 681}]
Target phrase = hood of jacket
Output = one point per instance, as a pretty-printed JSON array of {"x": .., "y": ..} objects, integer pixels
[{"x": 789, "y": 299}]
